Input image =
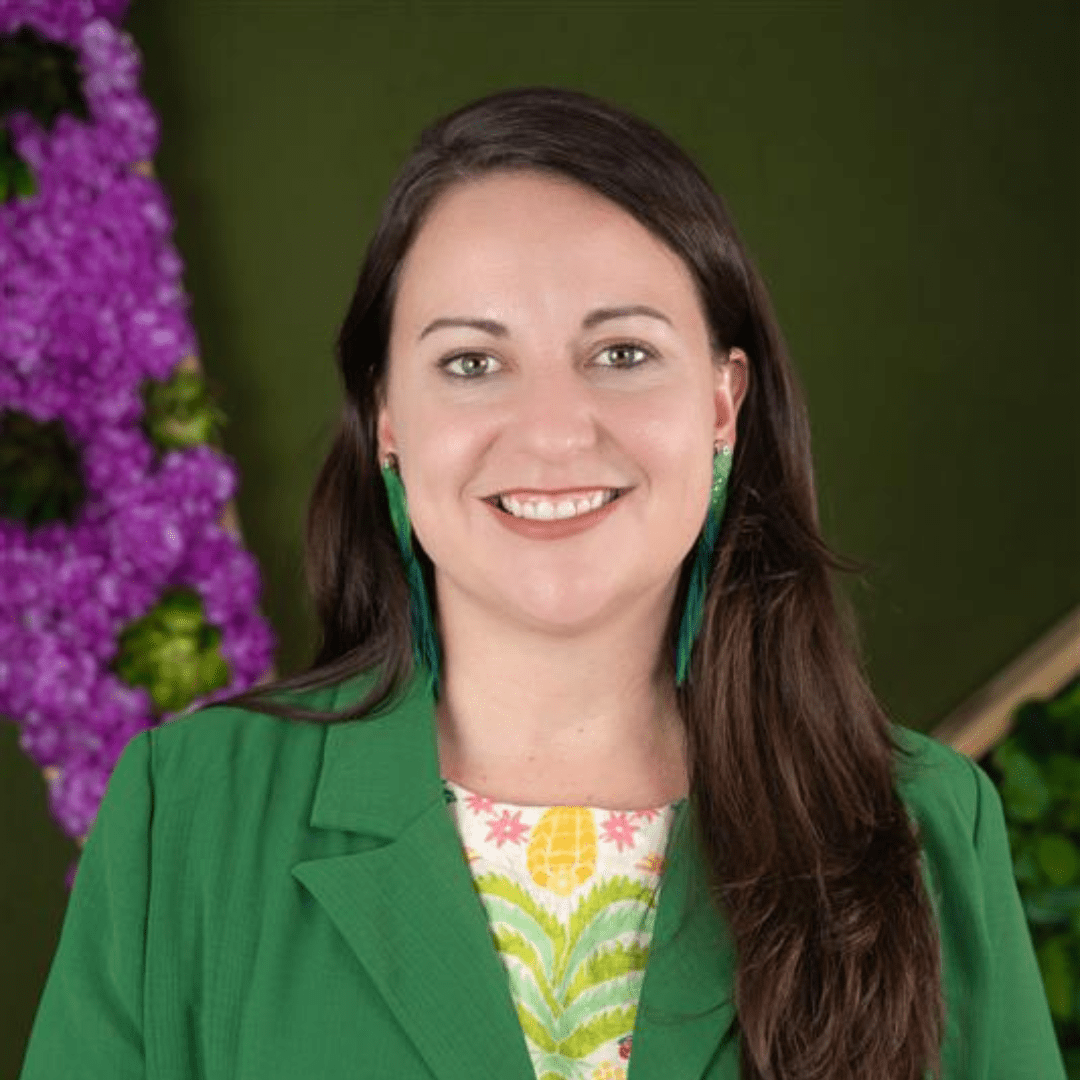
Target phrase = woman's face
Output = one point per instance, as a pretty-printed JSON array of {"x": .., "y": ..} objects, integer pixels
[{"x": 545, "y": 346}]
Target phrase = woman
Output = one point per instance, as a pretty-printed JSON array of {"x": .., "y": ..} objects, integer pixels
[{"x": 585, "y": 771}]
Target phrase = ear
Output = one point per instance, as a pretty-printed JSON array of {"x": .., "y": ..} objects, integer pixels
[
  {"x": 384, "y": 433},
  {"x": 732, "y": 377}
]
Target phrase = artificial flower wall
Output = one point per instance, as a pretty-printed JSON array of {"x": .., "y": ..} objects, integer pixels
[{"x": 125, "y": 598}]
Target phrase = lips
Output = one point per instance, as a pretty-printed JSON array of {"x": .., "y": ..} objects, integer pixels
[
  {"x": 536, "y": 495},
  {"x": 554, "y": 495},
  {"x": 553, "y": 528}
]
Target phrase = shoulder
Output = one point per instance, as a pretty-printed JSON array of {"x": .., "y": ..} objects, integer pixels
[
  {"x": 954, "y": 802},
  {"x": 225, "y": 750},
  {"x": 935, "y": 779}
]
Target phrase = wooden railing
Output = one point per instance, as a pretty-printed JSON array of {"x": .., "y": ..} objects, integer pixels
[{"x": 982, "y": 721}]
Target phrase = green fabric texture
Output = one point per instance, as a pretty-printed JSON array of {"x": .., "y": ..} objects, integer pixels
[{"x": 264, "y": 899}]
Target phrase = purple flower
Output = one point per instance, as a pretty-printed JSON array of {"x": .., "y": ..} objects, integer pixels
[{"x": 92, "y": 306}]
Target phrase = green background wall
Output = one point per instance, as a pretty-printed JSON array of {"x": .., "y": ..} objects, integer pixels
[{"x": 905, "y": 175}]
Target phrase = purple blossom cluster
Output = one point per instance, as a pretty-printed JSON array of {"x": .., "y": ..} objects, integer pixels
[{"x": 91, "y": 304}]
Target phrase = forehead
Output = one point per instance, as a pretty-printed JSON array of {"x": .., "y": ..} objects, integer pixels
[{"x": 527, "y": 240}]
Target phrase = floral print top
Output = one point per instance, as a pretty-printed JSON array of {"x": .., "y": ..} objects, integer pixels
[{"x": 570, "y": 893}]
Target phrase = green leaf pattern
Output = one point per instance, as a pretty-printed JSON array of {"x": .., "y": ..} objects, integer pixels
[{"x": 575, "y": 963}]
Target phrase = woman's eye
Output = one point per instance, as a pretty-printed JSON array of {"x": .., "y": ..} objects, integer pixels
[
  {"x": 467, "y": 365},
  {"x": 625, "y": 355}
]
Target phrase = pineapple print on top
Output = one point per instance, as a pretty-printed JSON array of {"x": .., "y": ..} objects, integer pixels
[
  {"x": 562, "y": 849},
  {"x": 570, "y": 893}
]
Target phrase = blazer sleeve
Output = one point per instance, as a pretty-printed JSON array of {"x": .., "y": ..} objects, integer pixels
[
  {"x": 90, "y": 1017},
  {"x": 1024, "y": 1042}
]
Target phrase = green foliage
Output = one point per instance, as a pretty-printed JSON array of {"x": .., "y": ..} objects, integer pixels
[
  {"x": 181, "y": 412},
  {"x": 1037, "y": 771},
  {"x": 41, "y": 77},
  {"x": 501, "y": 887},
  {"x": 172, "y": 652},
  {"x": 16, "y": 179},
  {"x": 589, "y": 1037},
  {"x": 511, "y": 943},
  {"x": 40, "y": 471},
  {"x": 535, "y": 1030},
  {"x": 604, "y": 965},
  {"x": 600, "y": 898},
  {"x": 572, "y": 996}
]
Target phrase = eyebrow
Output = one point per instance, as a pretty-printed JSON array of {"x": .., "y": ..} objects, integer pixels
[{"x": 497, "y": 329}]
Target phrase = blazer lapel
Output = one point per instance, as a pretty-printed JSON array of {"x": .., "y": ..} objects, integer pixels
[
  {"x": 407, "y": 907},
  {"x": 686, "y": 1011}
]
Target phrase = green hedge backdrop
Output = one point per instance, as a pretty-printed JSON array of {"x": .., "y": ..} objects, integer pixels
[{"x": 905, "y": 175}]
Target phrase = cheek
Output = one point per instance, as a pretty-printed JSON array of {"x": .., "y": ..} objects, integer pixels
[
  {"x": 444, "y": 454},
  {"x": 452, "y": 443},
  {"x": 676, "y": 451}
]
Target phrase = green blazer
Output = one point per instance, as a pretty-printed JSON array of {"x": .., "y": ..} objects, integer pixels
[{"x": 263, "y": 899}]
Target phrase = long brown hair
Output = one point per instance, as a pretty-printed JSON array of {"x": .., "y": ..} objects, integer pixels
[{"x": 813, "y": 860}]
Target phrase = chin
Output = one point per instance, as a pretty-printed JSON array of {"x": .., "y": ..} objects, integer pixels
[{"x": 563, "y": 607}]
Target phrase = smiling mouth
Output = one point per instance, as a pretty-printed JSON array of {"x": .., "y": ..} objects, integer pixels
[{"x": 557, "y": 508}]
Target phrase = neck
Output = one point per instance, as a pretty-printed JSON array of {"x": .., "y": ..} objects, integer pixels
[{"x": 586, "y": 718}]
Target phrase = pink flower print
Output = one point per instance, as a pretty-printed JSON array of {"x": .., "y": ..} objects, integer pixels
[
  {"x": 625, "y": 1045},
  {"x": 619, "y": 828},
  {"x": 478, "y": 804},
  {"x": 508, "y": 826},
  {"x": 646, "y": 815},
  {"x": 651, "y": 864}
]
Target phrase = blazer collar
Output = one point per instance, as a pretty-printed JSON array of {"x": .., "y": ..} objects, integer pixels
[
  {"x": 365, "y": 762},
  {"x": 409, "y": 910}
]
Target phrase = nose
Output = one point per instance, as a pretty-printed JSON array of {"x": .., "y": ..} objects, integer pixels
[{"x": 555, "y": 412}]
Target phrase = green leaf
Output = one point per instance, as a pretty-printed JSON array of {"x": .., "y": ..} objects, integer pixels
[
  {"x": 612, "y": 963},
  {"x": 536, "y": 1031},
  {"x": 1023, "y": 790},
  {"x": 1059, "y": 859},
  {"x": 212, "y": 674},
  {"x": 40, "y": 76},
  {"x": 1050, "y": 905},
  {"x": 1071, "y": 1056},
  {"x": 173, "y": 694},
  {"x": 600, "y": 899},
  {"x": 598, "y": 1031},
  {"x": 172, "y": 652},
  {"x": 1057, "y": 974},
  {"x": 181, "y": 411},
  {"x": 1066, "y": 705},
  {"x": 40, "y": 470},
  {"x": 1026, "y": 868},
  {"x": 1064, "y": 712},
  {"x": 24, "y": 182},
  {"x": 181, "y": 612},
  {"x": 1062, "y": 774},
  {"x": 1068, "y": 815},
  {"x": 497, "y": 885},
  {"x": 511, "y": 943},
  {"x": 1033, "y": 734}
]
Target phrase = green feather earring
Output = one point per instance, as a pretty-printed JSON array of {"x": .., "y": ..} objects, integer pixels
[
  {"x": 424, "y": 640},
  {"x": 699, "y": 575}
]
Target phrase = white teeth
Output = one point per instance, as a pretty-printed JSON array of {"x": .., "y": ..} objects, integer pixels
[{"x": 545, "y": 510}]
